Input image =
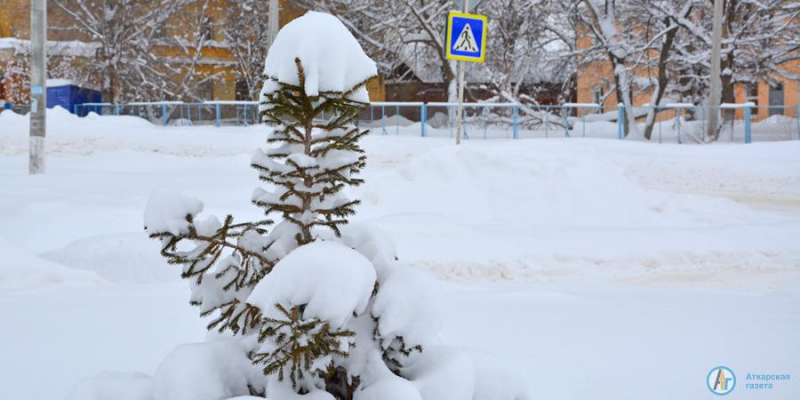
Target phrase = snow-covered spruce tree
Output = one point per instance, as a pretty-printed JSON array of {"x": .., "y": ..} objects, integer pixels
[{"x": 318, "y": 308}]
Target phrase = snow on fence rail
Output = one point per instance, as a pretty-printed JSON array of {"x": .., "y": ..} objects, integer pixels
[{"x": 674, "y": 123}]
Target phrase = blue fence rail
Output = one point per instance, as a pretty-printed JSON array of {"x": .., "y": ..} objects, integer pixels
[{"x": 672, "y": 123}]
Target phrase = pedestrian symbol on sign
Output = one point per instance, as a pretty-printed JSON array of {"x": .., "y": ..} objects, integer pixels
[{"x": 466, "y": 40}]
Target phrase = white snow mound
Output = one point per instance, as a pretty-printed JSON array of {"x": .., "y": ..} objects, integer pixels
[
  {"x": 20, "y": 270},
  {"x": 332, "y": 280},
  {"x": 205, "y": 371},
  {"x": 113, "y": 385},
  {"x": 332, "y": 59}
]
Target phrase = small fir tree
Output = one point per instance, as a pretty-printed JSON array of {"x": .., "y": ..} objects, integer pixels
[
  {"x": 321, "y": 308},
  {"x": 312, "y": 155}
]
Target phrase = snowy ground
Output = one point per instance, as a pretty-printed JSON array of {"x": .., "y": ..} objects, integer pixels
[{"x": 602, "y": 269}]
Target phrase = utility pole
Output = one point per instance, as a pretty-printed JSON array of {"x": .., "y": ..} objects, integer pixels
[
  {"x": 274, "y": 20},
  {"x": 460, "y": 110},
  {"x": 38, "y": 112},
  {"x": 716, "y": 83}
]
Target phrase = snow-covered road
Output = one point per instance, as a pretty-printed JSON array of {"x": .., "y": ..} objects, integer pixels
[
  {"x": 602, "y": 269},
  {"x": 571, "y": 341}
]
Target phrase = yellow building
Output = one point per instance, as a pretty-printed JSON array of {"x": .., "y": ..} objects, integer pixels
[
  {"x": 595, "y": 83},
  {"x": 215, "y": 59}
]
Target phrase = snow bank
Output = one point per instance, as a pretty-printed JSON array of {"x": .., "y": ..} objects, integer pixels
[
  {"x": 113, "y": 385},
  {"x": 442, "y": 373},
  {"x": 332, "y": 280},
  {"x": 117, "y": 257},
  {"x": 332, "y": 59},
  {"x": 390, "y": 387},
  {"x": 450, "y": 373},
  {"x": 68, "y": 134},
  {"x": 21, "y": 270},
  {"x": 206, "y": 371}
]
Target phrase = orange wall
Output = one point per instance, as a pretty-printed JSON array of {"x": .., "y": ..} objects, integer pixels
[
  {"x": 15, "y": 22},
  {"x": 599, "y": 75}
]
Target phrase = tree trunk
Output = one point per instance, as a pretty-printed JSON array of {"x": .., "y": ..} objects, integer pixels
[
  {"x": 618, "y": 92},
  {"x": 662, "y": 83}
]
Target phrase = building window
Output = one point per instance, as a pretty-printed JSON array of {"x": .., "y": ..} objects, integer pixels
[
  {"x": 207, "y": 29},
  {"x": 598, "y": 99},
  {"x": 776, "y": 99},
  {"x": 752, "y": 96},
  {"x": 205, "y": 90},
  {"x": 242, "y": 92},
  {"x": 160, "y": 32}
]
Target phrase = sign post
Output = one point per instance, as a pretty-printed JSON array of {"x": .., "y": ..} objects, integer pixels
[
  {"x": 38, "y": 86},
  {"x": 466, "y": 41}
]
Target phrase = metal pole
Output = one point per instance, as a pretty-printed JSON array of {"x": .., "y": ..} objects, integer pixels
[
  {"x": 747, "y": 127},
  {"x": 460, "y": 110},
  {"x": 516, "y": 121},
  {"x": 424, "y": 119},
  {"x": 716, "y": 84},
  {"x": 38, "y": 85},
  {"x": 274, "y": 20}
]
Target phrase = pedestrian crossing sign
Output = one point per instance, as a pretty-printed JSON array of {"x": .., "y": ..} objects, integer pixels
[{"x": 466, "y": 37}]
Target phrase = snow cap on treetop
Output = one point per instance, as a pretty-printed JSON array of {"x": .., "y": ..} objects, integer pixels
[{"x": 331, "y": 57}]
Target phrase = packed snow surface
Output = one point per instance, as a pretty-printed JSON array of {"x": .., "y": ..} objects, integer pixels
[
  {"x": 332, "y": 59},
  {"x": 590, "y": 267}
]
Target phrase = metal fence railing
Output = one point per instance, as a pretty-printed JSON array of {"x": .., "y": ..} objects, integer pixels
[
  {"x": 672, "y": 123},
  {"x": 169, "y": 113},
  {"x": 17, "y": 108}
]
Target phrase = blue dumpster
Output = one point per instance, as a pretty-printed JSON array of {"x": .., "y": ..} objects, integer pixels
[{"x": 68, "y": 95}]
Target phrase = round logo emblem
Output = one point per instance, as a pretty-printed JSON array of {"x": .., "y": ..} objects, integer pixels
[{"x": 721, "y": 381}]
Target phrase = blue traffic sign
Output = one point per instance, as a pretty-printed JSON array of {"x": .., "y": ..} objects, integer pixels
[{"x": 466, "y": 37}]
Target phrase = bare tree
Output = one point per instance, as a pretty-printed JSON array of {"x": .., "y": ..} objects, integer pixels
[
  {"x": 759, "y": 39},
  {"x": 405, "y": 37},
  {"x": 246, "y": 33},
  {"x": 658, "y": 32},
  {"x": 127, "y": 62}
]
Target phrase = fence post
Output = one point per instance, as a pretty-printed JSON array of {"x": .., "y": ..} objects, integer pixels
[
  {"x": 583, "y": 119},
  {"x": 164, "y": 116},
  {"x": 397, "y": 117},
  {"x": 678, "y": 112},
  {"x": 485, "y": 121},
  {"x": 116, "y": 109},
  {"x": 219, "y": 116},
  {"x": 423, "y": 119},
  {"x": 747, "y": 130},
  {"x": 620, "y": 121},
  {"x": 660, "y": 124},
  {"x": 516, "y": 121},
  {"x": 383, "y": 119},
  {"x": 566, "y": 122},
  {"x": 245, "y": 114},
  {"x": 546, "y": 122},
  {"x": 797, "y": 117}
]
